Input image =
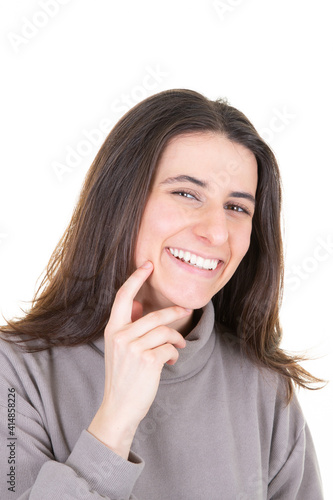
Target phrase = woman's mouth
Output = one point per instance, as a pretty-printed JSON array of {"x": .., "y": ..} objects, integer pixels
[{"x": 194, "y": 260}]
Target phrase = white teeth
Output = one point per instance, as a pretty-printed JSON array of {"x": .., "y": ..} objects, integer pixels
[
  {"x": 194, "y": 260},
  {"x": 200, "y": 262},
  {"x": 214, "y": 264}
]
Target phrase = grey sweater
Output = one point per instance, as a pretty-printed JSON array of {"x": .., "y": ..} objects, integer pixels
[{"x": 217, "y": 429}]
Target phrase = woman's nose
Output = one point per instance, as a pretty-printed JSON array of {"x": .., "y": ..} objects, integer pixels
[{"x": 212, "y": 226}]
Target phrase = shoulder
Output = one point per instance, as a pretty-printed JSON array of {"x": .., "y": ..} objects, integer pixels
[
  {"x": 21, "y": 369},
  {"x": 262, "y": 397},
  {"x": 15, "y": 355},
  {"x": 241, "y": 366},
  {"x": 253, "y": 379},
  {"x": 35, "y": 375}
]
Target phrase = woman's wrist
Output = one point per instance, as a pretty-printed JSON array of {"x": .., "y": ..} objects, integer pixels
[{"x": 116, "y": 435}]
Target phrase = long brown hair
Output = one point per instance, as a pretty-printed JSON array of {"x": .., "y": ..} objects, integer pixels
[{"x": 96, "y": 253}]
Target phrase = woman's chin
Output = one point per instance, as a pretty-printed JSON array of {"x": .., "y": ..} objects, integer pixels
[
  {"x": 193, "y": 296},
  {"x": 188, "y": 301}
]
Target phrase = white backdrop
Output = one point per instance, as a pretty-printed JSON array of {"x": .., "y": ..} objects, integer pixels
[{"x": 71, "y": 68}]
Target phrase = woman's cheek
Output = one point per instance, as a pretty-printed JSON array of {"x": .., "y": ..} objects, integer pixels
[
  {"x": 167, "y": 220},
  {"x": 244, "y": 242}
]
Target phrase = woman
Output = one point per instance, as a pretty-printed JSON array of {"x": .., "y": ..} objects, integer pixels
[{"x": 150, "y": 364}]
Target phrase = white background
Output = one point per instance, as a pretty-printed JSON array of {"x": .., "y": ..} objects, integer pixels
[{"x": 66, "y": 71}]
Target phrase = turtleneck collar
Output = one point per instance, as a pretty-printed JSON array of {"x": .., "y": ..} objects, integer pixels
[{"x": 200, "y": 343}]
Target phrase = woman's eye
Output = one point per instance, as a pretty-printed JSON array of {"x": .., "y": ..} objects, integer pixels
[
  {"x": 238, "y": 208},
  {"x": 185, "y": 194}
]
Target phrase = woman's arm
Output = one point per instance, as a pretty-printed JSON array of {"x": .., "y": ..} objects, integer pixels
[
  {"x": 91, "y": 471},
  {"x": 294, "y": 470},
  {"x": 100, "y": 464},
  {"x": 28, "y": 467}
]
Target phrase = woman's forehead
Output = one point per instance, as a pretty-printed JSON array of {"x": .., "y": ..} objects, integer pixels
[{"x": 208, "y": 155}]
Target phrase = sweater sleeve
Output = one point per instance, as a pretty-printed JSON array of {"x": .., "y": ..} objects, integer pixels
[
  {"x": 28, "y": 467},
  {"x": 296, "y": 473},
  {"x": 91, "y": 471}
]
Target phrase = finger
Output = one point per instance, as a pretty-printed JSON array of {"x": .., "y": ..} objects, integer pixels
[
  {"x": 157, "y": 337},
  {"x": 152, "y": 320},
  {"x": 121, "y": 311},
  {"x": 166, "y": 353}
]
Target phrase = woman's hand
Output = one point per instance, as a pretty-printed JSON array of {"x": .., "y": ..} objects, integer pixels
[{"x": 135, "y": 352}]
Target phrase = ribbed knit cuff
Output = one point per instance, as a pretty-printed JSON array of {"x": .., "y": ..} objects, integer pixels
[{"x": 106, "y": 472}]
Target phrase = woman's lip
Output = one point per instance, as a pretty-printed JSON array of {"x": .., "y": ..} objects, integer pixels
[{"x": 194, "y": 269}]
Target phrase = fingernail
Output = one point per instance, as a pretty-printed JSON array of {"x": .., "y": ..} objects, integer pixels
[
  {"x": 188, "y": 310},
  {"x": 147, "y": 265}
]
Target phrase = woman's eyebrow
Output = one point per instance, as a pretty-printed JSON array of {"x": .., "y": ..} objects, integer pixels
[
  {"x": 243, "y": 194},
  {"x": 204, "y": 184},
  {"x": 185, "y": 178}
]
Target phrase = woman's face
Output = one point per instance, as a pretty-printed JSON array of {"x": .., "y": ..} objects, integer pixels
[{"x": 200, "y": 210}]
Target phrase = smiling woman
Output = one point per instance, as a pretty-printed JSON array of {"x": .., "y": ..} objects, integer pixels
[{"x": 149, "y": 365}]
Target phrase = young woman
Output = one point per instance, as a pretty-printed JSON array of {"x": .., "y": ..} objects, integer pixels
[{"x": 149, "y": 365}]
